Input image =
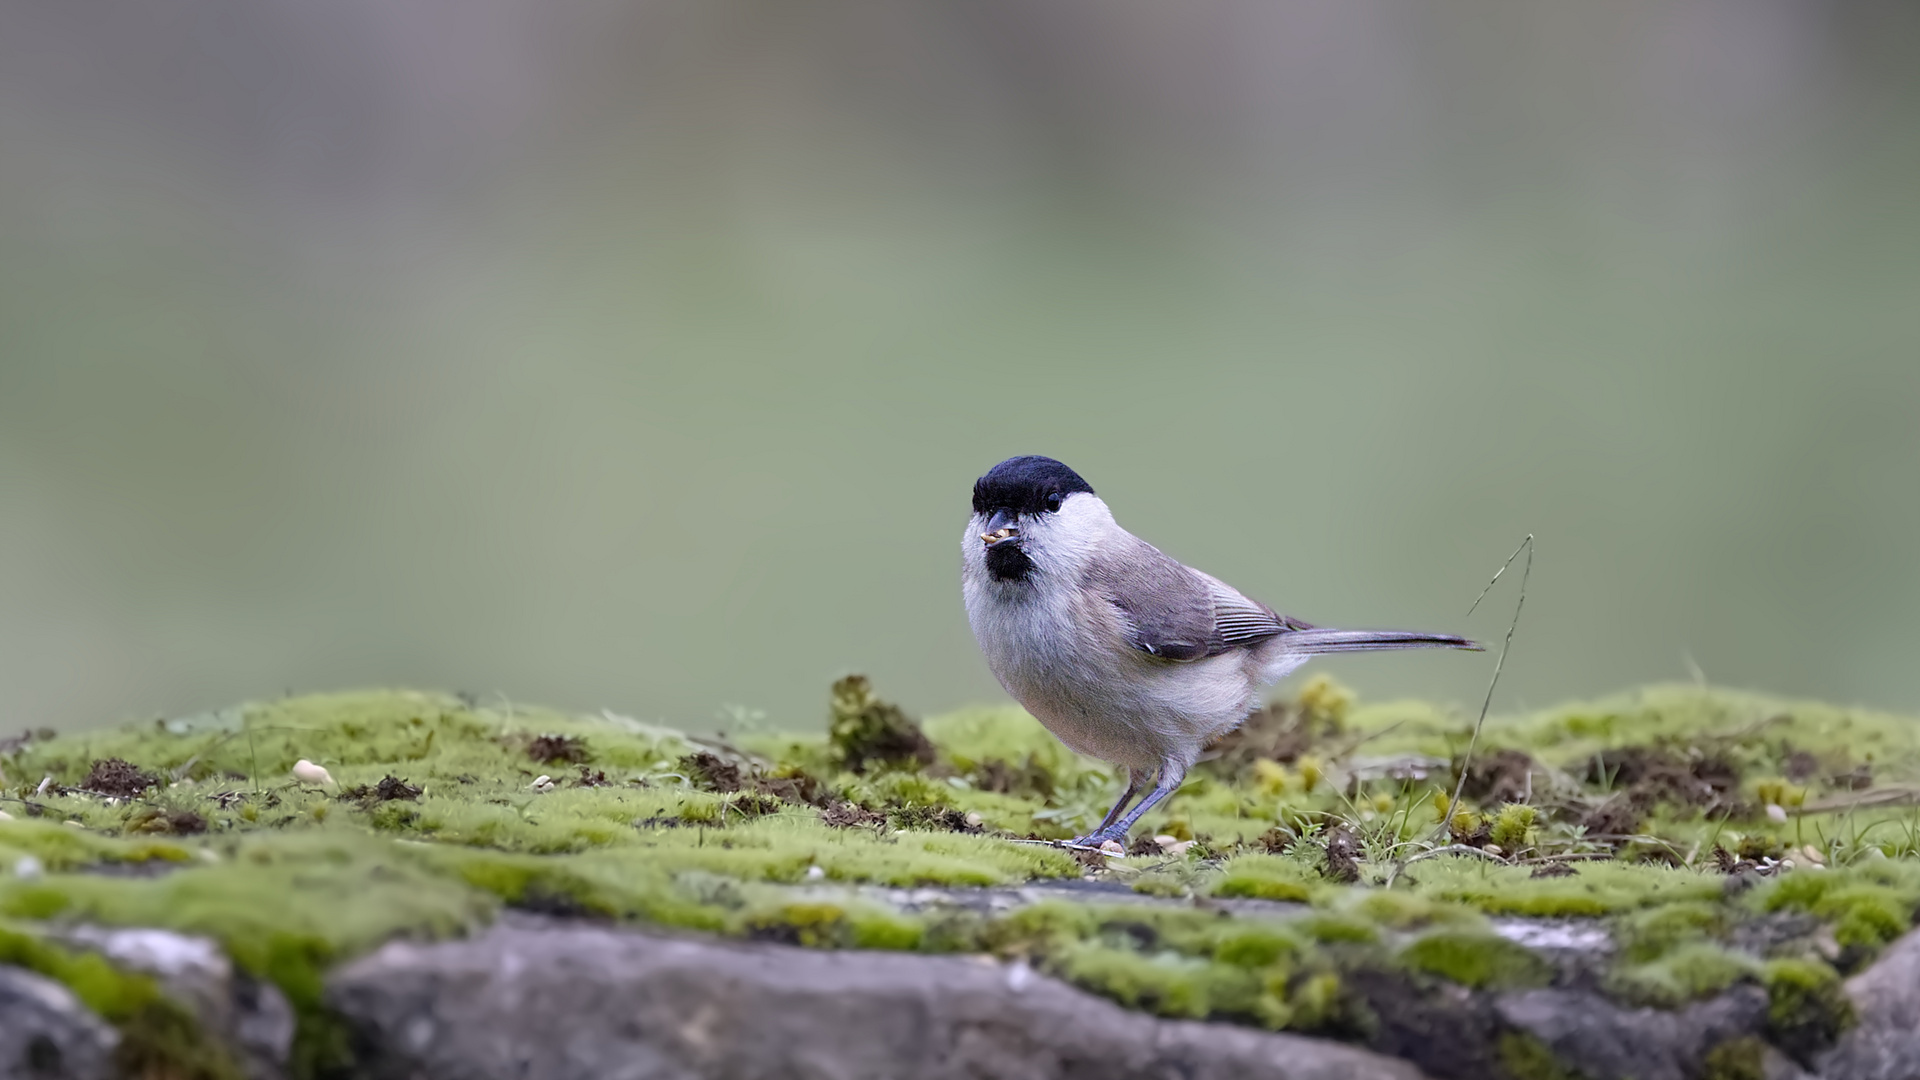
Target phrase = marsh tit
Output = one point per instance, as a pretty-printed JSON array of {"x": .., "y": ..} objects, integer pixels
[{"x": 1123, "y": 653}]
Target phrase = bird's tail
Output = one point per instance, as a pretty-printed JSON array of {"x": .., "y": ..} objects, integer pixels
[{"x": 1316, "y": 641}]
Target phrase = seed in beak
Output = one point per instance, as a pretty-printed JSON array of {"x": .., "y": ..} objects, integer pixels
[{"x": 997, "y": 535}]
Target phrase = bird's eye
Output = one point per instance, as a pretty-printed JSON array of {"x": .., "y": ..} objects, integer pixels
[{"x": 1053, "y": 502}]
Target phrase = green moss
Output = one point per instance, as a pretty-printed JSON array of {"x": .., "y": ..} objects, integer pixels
[
  {"x": 1524, "y": 1057},
  {"x": 158, "y": 1037},
  {"x": 1598, "y": 888},
  {"x": 1807, "y": 1007},
  {"x": 1868, "y": 905},
  {"x": 1258, "y": 946},
  {"x": 1266, "y": 877},
  {"x": 1690, "y": 972},
  {"x": 1647, "y": 935},
  {"x": 1479, "y": 960},
  {"x": 292, "y": 879},
  {"x": 1744, "y": 1058},
  {"x": 1167, "y": 983},
  {"x": 1513, "y": 827}
]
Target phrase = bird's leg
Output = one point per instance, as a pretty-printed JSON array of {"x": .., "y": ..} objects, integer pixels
[
  {"x": 1171, "y": 776},
  {"x": 1136, "y": 779}
]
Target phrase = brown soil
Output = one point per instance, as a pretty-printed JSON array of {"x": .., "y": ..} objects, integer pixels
[
  {"x": 112, "y": 776},
  {"x": 559, "y": 750}
]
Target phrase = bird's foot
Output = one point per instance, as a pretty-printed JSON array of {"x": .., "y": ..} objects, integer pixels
[{"x": 1099, "y": 838}]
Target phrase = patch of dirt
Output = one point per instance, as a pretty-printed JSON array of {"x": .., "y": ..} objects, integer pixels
[
  {"x": 793, "y": 786},
  {"x": 592, "y": 778},
  {"x": 1615, "y": 817},
  {"x": 389, "y": 787},
  {"x": 709, "y": 771},
  {"x": 846, "y": 815},
  {"x": 1281, "y": 732},
  {"x": 1343, "y": 856},
  {"x": 1651, "y": 776},
  {"x": 1278, "y": 840},
  {"x": 1726, "y": 862},
  {"x": 1027, "y": 780},
  {"x": 112, "y": 776},
  {"x": 1502, "y": 776},
  {"x": 559, "y": 750},
  {"x": 1800, "y": 766},
  {"x": 1553, "y": 870},
  {"x": 170, "y": 822},
  {"x": 751, "y": 804},
  {"x": 935, "y": 818},
  {"x": 1858, "y": 778},
  {"x": 865, "y": 731},
  {"x": 1476, "y": 837}
]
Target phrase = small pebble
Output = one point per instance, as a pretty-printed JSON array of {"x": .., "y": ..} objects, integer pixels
[
  {"x": 308, "y": 773},
  {"x": 543, "y": 782},
  {"x": 1813, "y": 854},
  {"x": 974, "y": 820},
  {"x": 1113, "y": 847},
  {"x": 814, "y": 873},
  {"x": 26, "y": 866},
  {"x": 1019, "y": 976},
  {"x": 1776, "y": 813},
  {"x": 1179, "y": 848},
  {"x": 1166, "y": 841},
  {"x": 1494, "y": 849}
]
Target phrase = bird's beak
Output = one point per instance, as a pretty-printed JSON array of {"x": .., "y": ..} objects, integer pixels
[{"x": 1000, "y": 528}]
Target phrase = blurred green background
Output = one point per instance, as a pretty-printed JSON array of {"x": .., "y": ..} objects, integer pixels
[{"x": 642, "y": 355}]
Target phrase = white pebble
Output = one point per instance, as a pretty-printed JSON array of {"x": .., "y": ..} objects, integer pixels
[
  {"x": 1776, "y": 813},
  {"x": 1179, "y": 848},
  {"x": 4, "y": 816},
  {"x": 1019, "y": 976},
  {"x": 814, "y": 873},
  {"x": 1165, "y": 840},
  {"x": 308, "y": 773},
  {"x": 1113, "y": 847},
  {"x": 974, "y": 819},
  {"x": 26, "y": 866},
  {"x": 543, "y": 782}
]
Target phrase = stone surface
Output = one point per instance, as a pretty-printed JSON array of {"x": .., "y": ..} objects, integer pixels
[
  {"x": 250, "y": 1017},
  {"x": 46, "y": 1034},
  {"x": 1608, "y": 1042},
  {"x": 573, "y": 1002},
  {"x": 1885, "y": 1044}
]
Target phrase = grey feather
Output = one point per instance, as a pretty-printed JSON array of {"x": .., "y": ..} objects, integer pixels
[{"x": 1175, "y": 612}]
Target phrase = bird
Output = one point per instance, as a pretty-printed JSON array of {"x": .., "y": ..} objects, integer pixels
[{"x": 1122, "y": 652}]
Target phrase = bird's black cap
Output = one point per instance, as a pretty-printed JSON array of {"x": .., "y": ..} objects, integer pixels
[{"x": 1029, "y": 484}]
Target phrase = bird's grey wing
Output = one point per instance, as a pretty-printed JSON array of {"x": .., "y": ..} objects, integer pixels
[{"x": 1178, "y": 613}]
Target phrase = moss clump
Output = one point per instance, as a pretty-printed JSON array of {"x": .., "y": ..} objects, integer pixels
[
  {"x": 1527, "y": 1058},
  {"x": 158, "y": 1037},
  {"x": 1868, "y": 905},
  {"x": 1688, "y": 973},
  {"x": 864, "y": 731},
  {"x": 1647, "y": 935},
  {"x": 1744, "y": 1058},
  {"x": 1479, "y": 960},
  {"x": 1266, "y": 877},
  {"x": 1513, "y": 827},
  {"x": 1807, "y": 1007}
]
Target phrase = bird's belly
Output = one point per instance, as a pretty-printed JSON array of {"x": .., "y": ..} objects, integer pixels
[{"x": 1106, "y": 701}]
